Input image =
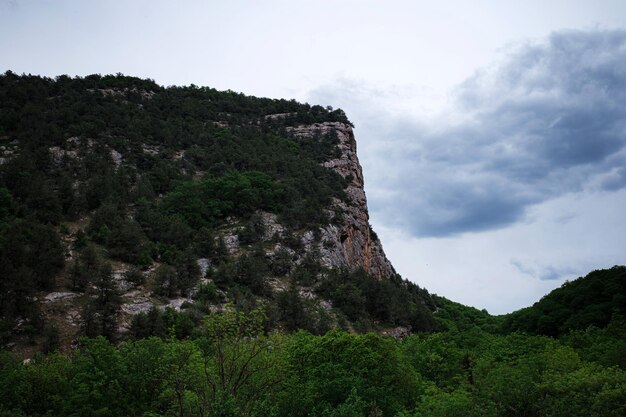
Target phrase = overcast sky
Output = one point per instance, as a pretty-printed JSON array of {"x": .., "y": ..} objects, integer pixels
[{"x": 492, "y": 133}]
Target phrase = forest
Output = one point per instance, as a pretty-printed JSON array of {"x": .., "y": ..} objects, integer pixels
[
  {"x": 100, "y": 172},
  {"x": 235, "y": 367}
]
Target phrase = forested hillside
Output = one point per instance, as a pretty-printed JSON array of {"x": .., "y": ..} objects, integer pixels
[
  {"x": 118, "y": 196},
  {"x": 180, "y": 251},
  {"x": 577, "y": 305}
]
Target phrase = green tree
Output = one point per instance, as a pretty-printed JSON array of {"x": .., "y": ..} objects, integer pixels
[
  {"x": 242, "y": 365},
  {"x": 100, "y": 313}
]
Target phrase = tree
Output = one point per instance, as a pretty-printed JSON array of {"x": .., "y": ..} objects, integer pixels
[
  {"x": 187, "y": 271},
  {"x": 100, "y": 313},
  {"x": 166, "y": 280},
  {"x": 241, "y": 363}
]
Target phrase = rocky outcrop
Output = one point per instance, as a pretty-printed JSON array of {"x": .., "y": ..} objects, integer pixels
[{"x": 352, "y": 243}]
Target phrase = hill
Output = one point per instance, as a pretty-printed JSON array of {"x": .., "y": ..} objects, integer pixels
[
  {"x": 592, "y": 300},
  {"x": 127, "y": 208}
]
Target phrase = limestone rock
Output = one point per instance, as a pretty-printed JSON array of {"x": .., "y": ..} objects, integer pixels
[
  {"x": 350, "y": 244},
  {"x": 177, "y": 303},
  {"x": 398, "y": 333},
  {"x": 203, "y": 264},
  {"x": 53, "y": 297},
  {"x": 116, "y": 157},
  {"x": 136, "y": 308}
]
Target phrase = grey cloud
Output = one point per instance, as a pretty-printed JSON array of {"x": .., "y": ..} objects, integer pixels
[
  {"x": 616, "y": 181},
  {"x": 10, "y": 4},
  {"x": 548, "y": 119},
  {"x": 545, "y": 273}
]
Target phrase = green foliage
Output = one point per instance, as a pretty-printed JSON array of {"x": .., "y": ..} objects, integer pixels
[
  {"x": 135, "y": 276},
  {"x": 451, "y": 315},
  {"x": 576, "y": 305},
  {"x": 30, "y": 257},
  {"x": 100, "y": 312},
  {"x": 235, "y": 368},
  {"x": 163, "y": 324},
  {"x": 394, "y": 301},
  {"x": 241, "y": 363},
  {"x": 248, "y": 271},
  {"x": 166, "y": 281},
  {"x": 203, "y": 203},
  {"x": 327, "y": 372}
]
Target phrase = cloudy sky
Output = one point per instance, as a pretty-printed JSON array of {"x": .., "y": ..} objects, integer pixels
[{"x": 492, "y": 133}]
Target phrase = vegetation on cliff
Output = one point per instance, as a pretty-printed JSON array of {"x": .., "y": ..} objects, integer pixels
[
  {"x": 114, "y": 182},
  {"x": 203, "y": 201}
]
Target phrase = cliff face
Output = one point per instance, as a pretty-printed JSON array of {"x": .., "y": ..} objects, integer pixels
[{"x": 352, "y": 243}]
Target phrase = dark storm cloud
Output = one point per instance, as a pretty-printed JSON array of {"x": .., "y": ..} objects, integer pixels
[{"x": 547, "y": 119}]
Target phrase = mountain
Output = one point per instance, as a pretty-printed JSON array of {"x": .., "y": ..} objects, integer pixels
[{"x": 128, "y": 208}]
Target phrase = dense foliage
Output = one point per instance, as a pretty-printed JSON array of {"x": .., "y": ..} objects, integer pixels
[
  {"x": 589, "y": 301},
  {"x": 451, "y": 315},
  {"x": 156, "y": 172},
  {"x": 234, "y": 368}
]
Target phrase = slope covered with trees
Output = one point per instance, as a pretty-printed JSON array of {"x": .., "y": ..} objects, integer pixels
[
  {"x": 577, "y": 305},
  {"x": 112, "y": 183}
]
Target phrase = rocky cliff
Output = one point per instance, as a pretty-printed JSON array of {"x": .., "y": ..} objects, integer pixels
[{"x": 351, "y": 244}]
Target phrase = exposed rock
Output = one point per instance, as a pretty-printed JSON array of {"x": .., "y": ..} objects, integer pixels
[
  {"x": 277, "y": 285},
  {"x": 150, "y": 149},
  {"x": 73, "y": 317},
  {"x": 177, "y": 303},
  {"x": 278, "y": 115},
  {"x": 307, "y": 294},
  {"x": 231, "y": 241},
  {"x": 398, "y": 333},
  {"x": 53, "y": 297},
  {"x": 271, "y": 225},
  {"x": 76, "y": 141},
  {"x": 122, "y": 284},
  {"x": 58, "y": 154},
  {"x": 122, "y": 92},
  {"x": 116, "y": 157},
  {"x": 279, "y": 248},
  {"x": 350, "y": 244},
  {"x": 308, "y": 239},
  {"x": 203, "y": 264},
  {"x": 136, "y": 308}
]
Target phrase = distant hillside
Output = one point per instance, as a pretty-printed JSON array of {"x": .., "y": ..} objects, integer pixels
[
  {"x": 587, "y": 301},
  {"x": 452, "y": 315}
]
